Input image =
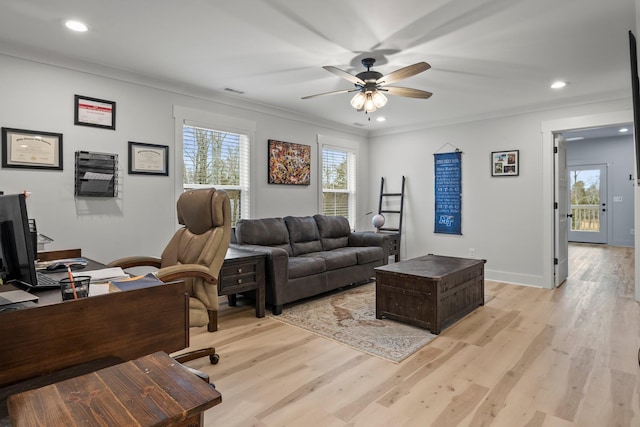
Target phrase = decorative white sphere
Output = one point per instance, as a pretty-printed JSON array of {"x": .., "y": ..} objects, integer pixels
[{"x": 377, "y": 221}]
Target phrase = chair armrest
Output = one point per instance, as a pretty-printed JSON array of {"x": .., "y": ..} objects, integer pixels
[
  {"x": 135, "y": 261},
  {"x": 180, "y": 271}
]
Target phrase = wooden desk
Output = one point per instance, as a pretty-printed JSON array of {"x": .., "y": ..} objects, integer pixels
[
  {"x": 60, "y": 254},
  {"x": 126, "y": 325},
  {"x": 151, "y": 391}
]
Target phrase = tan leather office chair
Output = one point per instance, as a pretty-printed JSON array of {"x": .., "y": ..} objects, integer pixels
[{"x": 195, "y": 254}]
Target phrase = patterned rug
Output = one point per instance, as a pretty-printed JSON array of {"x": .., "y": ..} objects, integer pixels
[{"x": 349, "y": 317}]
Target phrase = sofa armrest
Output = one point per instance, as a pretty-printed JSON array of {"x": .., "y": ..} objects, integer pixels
[{"x": 370, "y": 238}]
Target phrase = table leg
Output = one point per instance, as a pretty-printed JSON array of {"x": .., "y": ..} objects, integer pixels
[
  {"x": 260, "y": 297},
  {"x": 232, "y": 300}
]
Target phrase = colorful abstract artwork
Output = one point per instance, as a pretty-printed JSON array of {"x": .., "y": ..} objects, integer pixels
[{"x": 289, "y": 163}]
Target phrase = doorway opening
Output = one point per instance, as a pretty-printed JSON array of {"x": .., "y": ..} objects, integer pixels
[
  {"x": 596, "y": 170},
  {"x": 550, "y": 215}
]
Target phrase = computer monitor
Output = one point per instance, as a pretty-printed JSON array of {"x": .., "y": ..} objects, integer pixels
[{"x": 18, "y": 252}]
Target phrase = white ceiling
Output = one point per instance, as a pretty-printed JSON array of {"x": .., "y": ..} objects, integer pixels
[{"x": 489, "y": 57}]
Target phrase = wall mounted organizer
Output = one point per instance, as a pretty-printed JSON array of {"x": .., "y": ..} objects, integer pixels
[{"x": 96, "y": 174}]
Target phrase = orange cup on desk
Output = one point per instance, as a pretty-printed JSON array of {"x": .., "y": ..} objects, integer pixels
[{"x": 75, "y": 287}]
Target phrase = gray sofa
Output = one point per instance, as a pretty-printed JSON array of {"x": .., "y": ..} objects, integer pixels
[{"x": 306, "y": 256}]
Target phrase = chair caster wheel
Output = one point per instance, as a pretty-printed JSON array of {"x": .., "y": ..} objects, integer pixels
[{"x": 214, "y": 359}]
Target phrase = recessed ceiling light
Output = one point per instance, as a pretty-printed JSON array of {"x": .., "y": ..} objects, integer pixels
[
  {"x": 623, "y": 130},
  {"x": 576, "y": 138},
  {"x": 381, "y": 119},
  {"x": 558, "y": 84},
  {"x": 76, "y": 25}
]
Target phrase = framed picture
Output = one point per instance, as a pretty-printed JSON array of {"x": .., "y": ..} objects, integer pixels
[
  {"x": 94, "y": 112},
  {"x": 505, "y": 163},
  {"x": 31, "y": 149},
  {"x": 148, "y": 159},
  {"x": 289, "y": 163}
]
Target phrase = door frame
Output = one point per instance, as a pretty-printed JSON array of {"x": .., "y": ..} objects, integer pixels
[{"x": 549, "y": 128}]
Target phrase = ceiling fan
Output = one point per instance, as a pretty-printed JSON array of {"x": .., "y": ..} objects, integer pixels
[{"x": 370, "y": 85}]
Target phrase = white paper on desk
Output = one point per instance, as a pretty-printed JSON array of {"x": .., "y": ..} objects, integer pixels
[
  {"x": 98, "y": 289},
  {"x": 104, "y": 274}
]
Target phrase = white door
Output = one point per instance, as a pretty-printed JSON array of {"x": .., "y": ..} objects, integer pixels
[
  {"x": 588, "y": 203},
  {"x": 561, "y": 209}
]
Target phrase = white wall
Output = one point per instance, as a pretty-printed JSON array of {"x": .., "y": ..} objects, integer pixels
[
  {"x": 142, "y": 218},
  {"x": 503, "y": 218}
]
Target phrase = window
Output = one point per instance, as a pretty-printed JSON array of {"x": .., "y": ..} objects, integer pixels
[
  {"x": 220, "y": 159},
  {"x": 339, "y": 182}
]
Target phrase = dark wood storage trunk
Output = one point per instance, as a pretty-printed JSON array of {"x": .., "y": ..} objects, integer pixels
[{"x": 430, "y": 291}]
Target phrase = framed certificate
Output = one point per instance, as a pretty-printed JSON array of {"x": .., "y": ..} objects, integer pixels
[
  {"x": 94, "y": 112},
  {"x": 31, "y": 149},
  {"x": 150, "y": 159}
]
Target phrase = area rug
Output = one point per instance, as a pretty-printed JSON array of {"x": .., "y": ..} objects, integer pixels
[{"x": 349, "y": 317}]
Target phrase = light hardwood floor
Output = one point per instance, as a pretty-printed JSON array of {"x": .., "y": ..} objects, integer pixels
[{"x": 530, "y": 357}]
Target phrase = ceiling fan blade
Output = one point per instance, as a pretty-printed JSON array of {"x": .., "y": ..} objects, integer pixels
[
  {"x": 341, "y": 73},
  {"x": 408, "y": 92},
  {"x": 403, "y": 73},
  {"x": 330, "y": 93}
]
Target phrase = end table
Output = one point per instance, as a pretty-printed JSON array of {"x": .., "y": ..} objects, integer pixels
[{"x": 243, "y": 271}]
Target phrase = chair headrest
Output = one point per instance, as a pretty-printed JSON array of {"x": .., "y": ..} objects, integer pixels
[{"x": 201, "y": 210}]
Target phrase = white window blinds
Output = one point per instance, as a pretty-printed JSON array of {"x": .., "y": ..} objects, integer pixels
[
  {"x": 220, "y": 159},
  {"x": 338, "y": 182}
]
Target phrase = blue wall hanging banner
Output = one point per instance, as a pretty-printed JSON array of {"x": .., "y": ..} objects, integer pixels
[{"x": 448, "y": 193}]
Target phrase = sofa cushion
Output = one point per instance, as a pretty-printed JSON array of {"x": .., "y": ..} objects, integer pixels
[
  {"x": 305, "y": 266},
  {"x": 303, "y": 234},
  {"x": 334, "y": 231},
  {"x": 335, "y": 259},
  {"x": 264, "y": 232},
  {"x": 364, "y": 254}
]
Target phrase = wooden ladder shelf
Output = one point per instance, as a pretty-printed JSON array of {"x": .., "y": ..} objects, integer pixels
[{"x": 397, "y": 214}]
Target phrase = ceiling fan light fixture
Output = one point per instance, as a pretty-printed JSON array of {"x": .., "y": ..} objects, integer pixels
[
  {"x": 379, "y": 99},
  {"x": 370, "y": 85},
  {"x": 358, "y": 100},
  {"x": 369, "y": 104}
]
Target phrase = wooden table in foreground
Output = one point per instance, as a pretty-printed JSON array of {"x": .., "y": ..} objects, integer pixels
[
  {"x": 430, "y": 291},
  {"x": 54, "y": 336},
  {"x": 153, "y": 390}
]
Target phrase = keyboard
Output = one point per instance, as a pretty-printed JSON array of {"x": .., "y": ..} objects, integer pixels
[{"x": 45, "y": 281}]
